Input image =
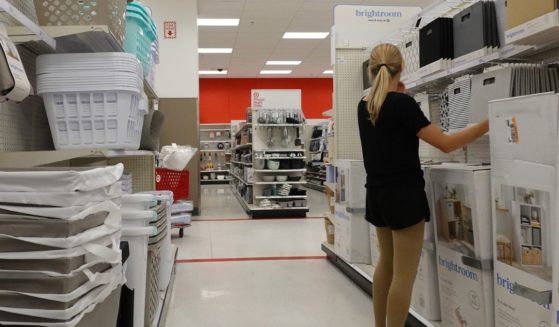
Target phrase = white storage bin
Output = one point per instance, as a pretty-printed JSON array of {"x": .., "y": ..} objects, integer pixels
[
  {"x": 92, "y": 120},
  {"x": 138, "y": 218},
  {"x": 137, "y": 238},
  {"x": 133, "y": 202}
]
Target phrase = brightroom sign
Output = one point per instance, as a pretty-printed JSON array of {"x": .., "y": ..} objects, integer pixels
[{"x": 362, "y": 26}]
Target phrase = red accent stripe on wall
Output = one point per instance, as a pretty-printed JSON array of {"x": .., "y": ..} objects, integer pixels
[
  {"x": 251, "y": 259},
  {"x": 226, "y": 99}
]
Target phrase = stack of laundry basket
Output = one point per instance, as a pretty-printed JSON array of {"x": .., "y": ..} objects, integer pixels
[{"x": 60, "y": 257}]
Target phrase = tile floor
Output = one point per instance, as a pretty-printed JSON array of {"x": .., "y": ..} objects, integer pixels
[{"x": 260, "y": 273}]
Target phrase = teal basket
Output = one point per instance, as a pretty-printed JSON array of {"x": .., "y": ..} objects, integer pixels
[{"x": 140, "y": 34}]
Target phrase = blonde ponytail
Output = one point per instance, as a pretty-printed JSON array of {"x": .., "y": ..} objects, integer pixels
[{"x": 385, "y": 62}]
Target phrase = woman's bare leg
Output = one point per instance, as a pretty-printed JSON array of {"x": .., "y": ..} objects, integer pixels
[{"x": 383, "y": 275}]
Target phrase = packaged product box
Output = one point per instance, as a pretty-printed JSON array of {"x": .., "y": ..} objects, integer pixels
[
  {"x": 524, "y": 142},
  {"x": 425, "y": 298},
  {"x": 461, "y": 210},
  {"x": 351, "y": 229},
  {"x": 375, "y": 254},
  {"x": 522, "y": 11}
]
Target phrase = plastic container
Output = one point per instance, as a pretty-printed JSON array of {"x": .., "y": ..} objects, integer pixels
[
  {"x": 182, "y": 206},
  {"x": 137, "y": 238},
  {"x": 132, "y": 202},
  {"x": 139, "y": 36},
  {"x": 138, "y": 218},
  {"x": 181, "y": 220},
  {"x": 174, "y": 181},
  {"x": 108, "y": 120}
]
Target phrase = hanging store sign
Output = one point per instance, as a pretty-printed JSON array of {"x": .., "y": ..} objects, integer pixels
[
  {"x": 363, "y": 26},
  {"x": 276, "y": 99}
]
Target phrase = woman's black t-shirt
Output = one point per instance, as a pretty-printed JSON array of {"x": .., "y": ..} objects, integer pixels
[{"x": 391, "y": 146}]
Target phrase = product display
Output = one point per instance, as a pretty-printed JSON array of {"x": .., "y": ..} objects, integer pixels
[
  {"x": 436, "y": 41},
  {"x": 461, "y": 209},
  {"x": 524, "y": 181},
  {"x": 58, "y": 263}
]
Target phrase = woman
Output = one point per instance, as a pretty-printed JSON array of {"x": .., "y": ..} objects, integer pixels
[{"x": 390, "y": 125}]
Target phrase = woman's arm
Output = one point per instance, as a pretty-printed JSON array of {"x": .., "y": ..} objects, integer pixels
[{"x": 448, "y": 143}]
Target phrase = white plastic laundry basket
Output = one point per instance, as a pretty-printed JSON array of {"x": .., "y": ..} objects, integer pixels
[{"x": 94, "y": 119}]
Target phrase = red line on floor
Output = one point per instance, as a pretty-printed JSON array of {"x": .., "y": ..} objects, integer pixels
[
  {"x": 320, "y": 257},
  {"x": 242, "y": 219}
]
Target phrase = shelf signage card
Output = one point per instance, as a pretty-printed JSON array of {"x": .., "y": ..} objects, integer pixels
[
  {"x": 276, "y": 99},
  {"x": 363, "y": 26}
]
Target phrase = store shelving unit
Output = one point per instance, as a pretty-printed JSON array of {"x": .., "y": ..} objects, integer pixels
[
  {"x": 215, "y": 142},
  {"x": 318, "y": 152}
]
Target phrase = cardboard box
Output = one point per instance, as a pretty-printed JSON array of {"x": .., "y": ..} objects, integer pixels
[
  {"x": 461, "y": 210},
  {"x": 466, "y": 293},
  {"x": 375, "y": 254},
  {"x": 522, "y": 11},
  {"x": 524, "y": 139},
  {"x": 351, "y": 241},
  {"x": 426, "y": 297}
]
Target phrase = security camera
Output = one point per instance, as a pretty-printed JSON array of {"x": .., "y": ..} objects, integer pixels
[{"x": 220, "y": 69}]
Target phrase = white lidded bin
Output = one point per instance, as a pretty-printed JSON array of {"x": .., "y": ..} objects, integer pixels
[
  {"x": 138, "y": 218},
  {"x": 138, "y": 238},
  {"x": 134, "y": 202},
  {"x": 167, "y": 258},
  {"x": 182, "y": 207}
]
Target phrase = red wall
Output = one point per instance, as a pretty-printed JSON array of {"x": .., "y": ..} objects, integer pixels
[{"x": 223, "y": 100}]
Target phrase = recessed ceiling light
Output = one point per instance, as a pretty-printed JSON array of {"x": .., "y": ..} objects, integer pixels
[
  {"x": 328, "y": 72},
  {"x": 283, "y": 63},
  {"x": 215, "y": 50},
  {"x": 212, "y": 72},
  {"x": 275, "y": 72},
  {"x": 305, "y": 35},
  {"x": 218, "y": 22}
]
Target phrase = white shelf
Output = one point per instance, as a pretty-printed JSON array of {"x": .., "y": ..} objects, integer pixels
[
  {"x": 460, "y": 69},
  {"x": 28, "y": 159},
  {"x": 215, "y": 141},
  {"x": 282, "y": 158},
  {"x": 240, "y": 179},
  {"x": 280, "y": 171},
  {"x": 214, "y": 171},
  {"x": 279, "y": 150},
  {"x": 216, "y": 150},
  {"x": 242, "y": 147},
  {"x": 276, "y": 183},
  {"x": 256, "y": 208},
  {"x": 282, "y": 197},
  {"x": 28, "y": 24},
  {"x": 242, "y": 163}
]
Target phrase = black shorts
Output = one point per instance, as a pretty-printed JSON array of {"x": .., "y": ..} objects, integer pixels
[{"x": 397, "y": 206}]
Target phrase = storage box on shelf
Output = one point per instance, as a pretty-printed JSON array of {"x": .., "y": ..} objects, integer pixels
[
  {"x": 61, "y": 258},
  {"x": 524, "y": 186},
  {"x": 215, "y": 141},
  {"x": 462, "y": 215}
]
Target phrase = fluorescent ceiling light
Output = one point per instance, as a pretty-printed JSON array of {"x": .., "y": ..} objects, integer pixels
[
  {"x": 215, "y": 50},
  {"x": 212, "y": 72},
  {"x": 275, "y": 72},
  {"x": 305, "y": 35},
  {"x": 283, "y": 63},
  {"x": 328, "y": 72},
  {"x": 218, "y": 22}
]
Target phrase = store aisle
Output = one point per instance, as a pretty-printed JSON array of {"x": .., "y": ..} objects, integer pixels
[
  {"x": 233, "y": 271},
  {"x": 218, "y": 202}
]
